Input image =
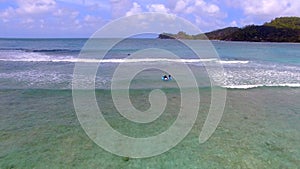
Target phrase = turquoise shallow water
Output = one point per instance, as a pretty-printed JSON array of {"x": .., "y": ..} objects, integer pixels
[{"x": 259, "y": 129}]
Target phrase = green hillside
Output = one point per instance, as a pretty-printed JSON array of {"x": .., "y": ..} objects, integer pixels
[
  {"x": 285, "y": 22},
  {"x": 283, "y": 29}
]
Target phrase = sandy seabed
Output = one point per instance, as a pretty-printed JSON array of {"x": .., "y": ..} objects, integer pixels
[{"x": 259, "y": 129}]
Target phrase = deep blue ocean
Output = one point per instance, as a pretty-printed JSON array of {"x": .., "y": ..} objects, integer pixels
[{"x": 49, "y": 63}]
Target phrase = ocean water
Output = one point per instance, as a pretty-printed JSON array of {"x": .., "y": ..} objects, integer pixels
[
  {"x": 49, "y": 63},
  {"x": 259, "y": 128}
]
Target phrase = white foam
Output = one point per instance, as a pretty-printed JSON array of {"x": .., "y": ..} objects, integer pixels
[
  {"x": 261, "y": 85},
  {"x": 241, "y": 86},
  {"x": 21, "y": 56},
  {"x": 289, "y": 85},
  {"x": 233, "y": 61},
  {"x": 79, "y": 60}
]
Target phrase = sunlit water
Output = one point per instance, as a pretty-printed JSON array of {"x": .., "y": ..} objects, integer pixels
[{"x": 259, "y": 128}]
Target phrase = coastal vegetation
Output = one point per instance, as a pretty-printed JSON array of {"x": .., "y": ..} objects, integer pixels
[{"x": 283, "y": 29}]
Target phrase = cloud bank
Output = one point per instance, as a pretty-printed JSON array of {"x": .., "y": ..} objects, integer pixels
[{"x": 81, "y": 18}]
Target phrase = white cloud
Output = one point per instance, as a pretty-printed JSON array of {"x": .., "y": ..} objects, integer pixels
[
  {"x": 158, "y": 8},
  {"x": 91, "y": 19},
  {"x": 42, "y": 23},
  {"x": 200, "y": 3},
  {"x": 92, "y": 4},
  {"x": 90, "y": 14},
  {"x": 180, "y": 6},
  {"x": 204, "y": 13},
  {"x": 262, "y": 7},
  {"x": 190, "y": 10},
  {"x": 136, "y": 8},
  {"x": 211, "y": 8},
  {"x": 119, "y": 7},
  {"x": 90, "y": 23},
  {"x": 52, "y": 18},
  {"x": 46, "y": 17},
  {"x": 267, "y": 9},
  {"x": 233, "y": 24},
  {"x": 35, "y": 6},
  {"x": 65, "y": 13},
  {"x": 7, "y": 13},
  {"x": 203, "y": 7},
  {"x": 27, "y": 8},
  {"x": 28, "y": 21},
  {"x": 103, "y": 4},
  {"x": 200, "y": 21}
]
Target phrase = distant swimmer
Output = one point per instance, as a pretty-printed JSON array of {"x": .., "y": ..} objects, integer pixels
[{"x": 166, "y": 78}]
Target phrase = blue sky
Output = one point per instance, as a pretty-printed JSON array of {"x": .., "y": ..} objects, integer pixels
[{"x": 81, "y": 18}]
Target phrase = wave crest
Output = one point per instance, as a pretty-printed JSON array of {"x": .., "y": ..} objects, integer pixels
[{"x": 293, "y": 85}]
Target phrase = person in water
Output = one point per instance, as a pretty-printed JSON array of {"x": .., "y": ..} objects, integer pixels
[{"x": 166, "y": 78}]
